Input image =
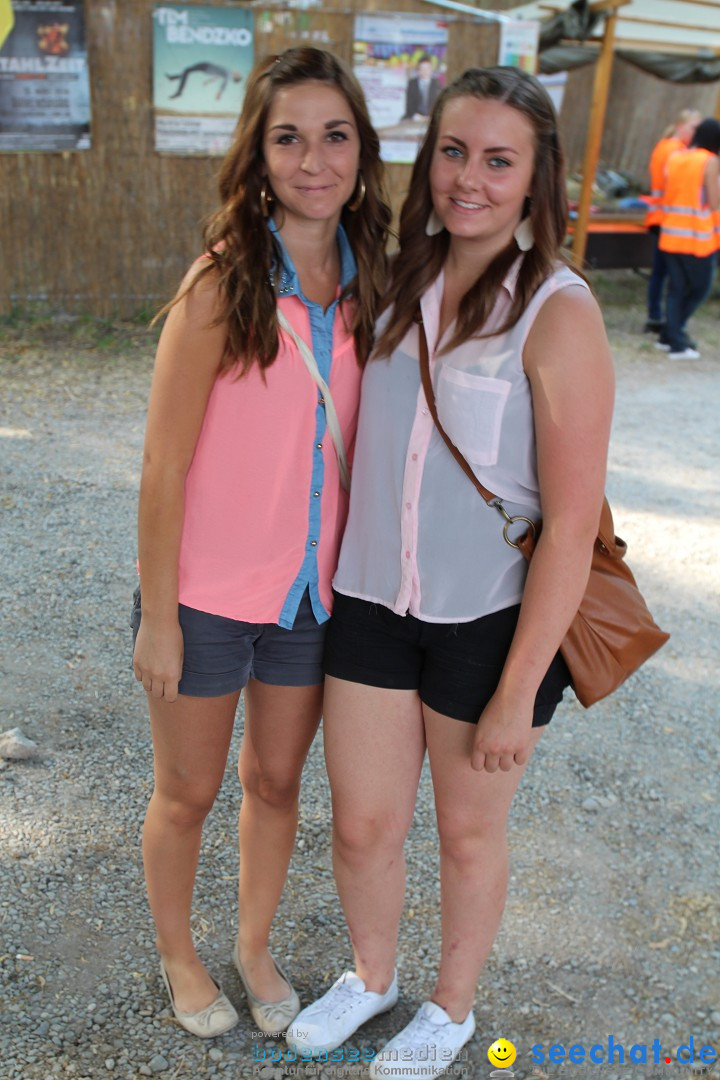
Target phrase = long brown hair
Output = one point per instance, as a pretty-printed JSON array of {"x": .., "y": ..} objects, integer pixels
[
  {"x": 241, "y": 249},
  {"x": 421, "y": 257}
]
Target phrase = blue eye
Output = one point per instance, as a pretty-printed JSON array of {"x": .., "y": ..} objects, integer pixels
[
  {"x": 451, "y": 151},
  {"x": 499, "y": 163}
]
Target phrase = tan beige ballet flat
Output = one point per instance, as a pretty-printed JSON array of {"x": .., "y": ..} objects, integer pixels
[
  {"x": 215, "y": 1019},
  {"x": 271, "y": 1017}
]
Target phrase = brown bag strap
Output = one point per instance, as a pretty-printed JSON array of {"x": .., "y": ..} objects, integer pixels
[{"x": 490, "y": 499}]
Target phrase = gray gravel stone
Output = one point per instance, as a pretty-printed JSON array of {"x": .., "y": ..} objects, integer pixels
[
  {"x": 15, "y": 746},
  {"x": 616, "y": 906}
]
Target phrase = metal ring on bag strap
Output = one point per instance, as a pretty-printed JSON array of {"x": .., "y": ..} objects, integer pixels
[{"x": 511, "y": 521}]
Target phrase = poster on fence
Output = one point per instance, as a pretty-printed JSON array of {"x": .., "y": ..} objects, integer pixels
[
  {"x": 202, "y": 57},
  {"x": 44, "y": 83},
  {"x": 401, "y": 64},
  {"x": 519, "y": 44}
]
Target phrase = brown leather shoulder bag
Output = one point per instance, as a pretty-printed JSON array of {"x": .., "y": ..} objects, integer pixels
[{"x": 613, "y": 632}]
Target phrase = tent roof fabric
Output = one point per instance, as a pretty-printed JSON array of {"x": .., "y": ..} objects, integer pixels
[{"x": 680, "y": 25}]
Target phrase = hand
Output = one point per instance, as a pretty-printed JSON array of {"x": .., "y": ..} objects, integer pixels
[
  {"x": 503, "y": 736},
  {"x": 158, "y": 658}
]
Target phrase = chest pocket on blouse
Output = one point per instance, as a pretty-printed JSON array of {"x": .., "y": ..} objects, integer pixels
[{"x": 471, "y": 409}]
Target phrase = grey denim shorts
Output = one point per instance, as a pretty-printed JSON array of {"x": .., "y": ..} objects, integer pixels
[{"x": 221, "y": 654}]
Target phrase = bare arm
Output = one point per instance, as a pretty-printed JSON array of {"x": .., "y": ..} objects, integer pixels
[
  {"x": 568, "y": 363},
  {"x": 186, "y": 365}
]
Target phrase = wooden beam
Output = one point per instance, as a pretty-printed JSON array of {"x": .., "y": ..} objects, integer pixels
[
  {"x": 700, "y": 3},
  {"x": 692, "y": 27},
  {"x": 643, "y": 44},
  {"x": 601, "y": 89}
]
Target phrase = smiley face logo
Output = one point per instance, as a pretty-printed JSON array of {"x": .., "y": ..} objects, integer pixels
[{"x": 502, "y": 1054}]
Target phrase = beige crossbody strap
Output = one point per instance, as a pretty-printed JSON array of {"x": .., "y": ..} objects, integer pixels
[{"x": 333, "y": 424}]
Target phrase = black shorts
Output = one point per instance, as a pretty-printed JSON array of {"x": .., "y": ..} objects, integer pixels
[{"x": 455, "y": 667}]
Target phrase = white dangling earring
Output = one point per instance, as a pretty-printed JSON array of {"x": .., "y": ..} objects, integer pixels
[
  {"x": 524, "y": 235},
  {"x": 434, "y": 224}
]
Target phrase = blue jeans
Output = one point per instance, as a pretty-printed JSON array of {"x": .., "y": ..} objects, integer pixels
[
  {"x": 689, "y": 283},
  {"x": 656, "y": 281}
]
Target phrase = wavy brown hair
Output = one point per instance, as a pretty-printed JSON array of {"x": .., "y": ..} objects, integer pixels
[
  {"x": 242, "y": 251},
  {"x": 421, "y": 257}
]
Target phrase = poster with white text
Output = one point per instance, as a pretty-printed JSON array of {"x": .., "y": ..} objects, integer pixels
[
  {"x": 202, "y": 57},
  {"x": 401, "y": 64},
  {"x": 44, "y": 83}
]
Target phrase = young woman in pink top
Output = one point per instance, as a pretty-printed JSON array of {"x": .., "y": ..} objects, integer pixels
[
  {"x": 242, "y": 504},
  {"x": 442, "y": 641}
]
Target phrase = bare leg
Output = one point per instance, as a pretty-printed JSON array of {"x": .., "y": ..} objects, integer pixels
[
  {"x": 191, "y": 737},
  {"x": 374, "y": 748},
  {"x": 472, "y": 810},
  {"x": 280, "y": 724}
]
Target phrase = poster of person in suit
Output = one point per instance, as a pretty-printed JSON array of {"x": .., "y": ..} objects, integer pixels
[
  {"x": 401, "y": 63},
  {"x": 422, "y": 91},
  {"x": 201, "y": 59}
]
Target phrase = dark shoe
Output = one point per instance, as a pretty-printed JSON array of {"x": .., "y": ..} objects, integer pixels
[
  {"x": 654, "y": 326},
  {"x": 684, "y": 354}
]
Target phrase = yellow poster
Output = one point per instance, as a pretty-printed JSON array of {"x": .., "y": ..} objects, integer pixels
[{"x": 7, "y": 20}]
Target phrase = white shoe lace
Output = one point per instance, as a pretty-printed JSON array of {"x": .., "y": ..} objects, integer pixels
[
  {"x": 338, "y": 1000},
  {"x": 423, "y": 1028},
  {"x": 421, "y": 1033}
]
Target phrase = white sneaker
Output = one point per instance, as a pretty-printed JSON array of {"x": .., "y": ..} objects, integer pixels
[
  {"x": 662, "y": 346},
  {"x": 425, "y": 1048},
  {"x": 333, "y": 1018},
  {"x": 685, "y": 354}
]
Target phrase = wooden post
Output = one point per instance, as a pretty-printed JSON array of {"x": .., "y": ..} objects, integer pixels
[{"x": 601, "y": 88}]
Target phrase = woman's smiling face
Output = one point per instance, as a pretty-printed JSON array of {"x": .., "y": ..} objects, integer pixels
[
  {"x": 482, "y": 170},
  {"x": 311, "y": 149}
]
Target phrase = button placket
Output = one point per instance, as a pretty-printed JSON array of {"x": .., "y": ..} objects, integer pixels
[{"x": 419, "y": 441}]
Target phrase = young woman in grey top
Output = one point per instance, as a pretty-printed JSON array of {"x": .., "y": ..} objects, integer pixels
[{"x": 437, "y": 620}]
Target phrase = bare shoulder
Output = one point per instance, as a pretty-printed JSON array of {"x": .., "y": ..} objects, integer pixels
[
  {"x": 198, "y": 299},
  {"x": 187, "y": 363},
  {"x": 195, "y": 332},
  {"x": 568, "y": 327},
  {"x": 572, "y": 306}
]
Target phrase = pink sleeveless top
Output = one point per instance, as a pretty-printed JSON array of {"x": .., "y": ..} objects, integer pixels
[{"x": 264, "y": 510}]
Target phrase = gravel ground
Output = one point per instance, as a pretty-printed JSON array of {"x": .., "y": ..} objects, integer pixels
[{"x": 613, "y": 921}]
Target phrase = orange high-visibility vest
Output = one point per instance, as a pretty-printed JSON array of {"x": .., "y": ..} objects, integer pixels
[
  {"x": 688, "y": 224},
  {"x": 656, "y": 168}
]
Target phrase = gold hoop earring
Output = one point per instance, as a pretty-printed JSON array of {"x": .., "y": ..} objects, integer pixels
[
  {"x": 358, "y": 194},
  {"x": 266, "y": 200}
]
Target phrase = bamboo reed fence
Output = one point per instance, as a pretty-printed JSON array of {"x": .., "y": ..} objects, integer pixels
[{"x": 109, "y": 231}]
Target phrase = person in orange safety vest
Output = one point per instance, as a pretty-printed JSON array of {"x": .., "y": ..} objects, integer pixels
[
  {"x": 676, "y": 137},
  {"x": 690, "y": 234}
]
